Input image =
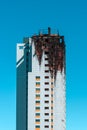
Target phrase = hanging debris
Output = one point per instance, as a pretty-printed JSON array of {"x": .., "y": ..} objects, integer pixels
[{"x": 53, "y": 46}]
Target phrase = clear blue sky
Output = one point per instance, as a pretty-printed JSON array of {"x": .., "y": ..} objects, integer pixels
[{"x": 21, "y": 18}]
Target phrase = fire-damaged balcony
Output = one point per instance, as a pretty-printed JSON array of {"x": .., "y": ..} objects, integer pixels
[{"x": 53, "y": 46}]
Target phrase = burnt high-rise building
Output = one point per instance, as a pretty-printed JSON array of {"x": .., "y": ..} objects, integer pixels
[{"x": 41, "y": 91}]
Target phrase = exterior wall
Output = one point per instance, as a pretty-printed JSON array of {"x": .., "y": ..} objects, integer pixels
[
  {"x": 37, "y": 71},
  {"x": 21, "y": 88},
  {"x": 57, "y": 89},
  {"x": 60, "y": 102},
  {"x": 29, "y": 74}
]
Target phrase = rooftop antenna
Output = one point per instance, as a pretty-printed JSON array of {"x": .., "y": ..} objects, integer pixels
[
  {"x": 49, "y": 30},
  {"x": 58, "y": 32}
]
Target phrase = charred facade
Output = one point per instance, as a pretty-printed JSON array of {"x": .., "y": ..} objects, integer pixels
[{"x": 54, "y": 47}]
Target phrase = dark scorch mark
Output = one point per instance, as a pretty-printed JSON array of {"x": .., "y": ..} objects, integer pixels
[{"x": 53, "y": 46}]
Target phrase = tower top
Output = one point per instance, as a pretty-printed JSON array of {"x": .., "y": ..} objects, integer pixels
[
  {"x": 53, "y": 45},
  {"x": 48, "y": 32}
]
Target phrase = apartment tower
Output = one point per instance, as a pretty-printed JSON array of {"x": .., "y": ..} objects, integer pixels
[{"x": 41, "y": 91}]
